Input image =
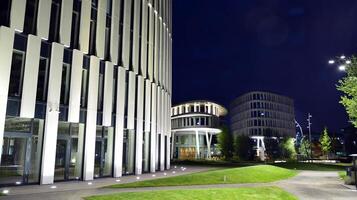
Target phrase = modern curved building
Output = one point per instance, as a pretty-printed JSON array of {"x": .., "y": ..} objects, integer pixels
[
  {"x": 263, "y": 115},
  {"x": 85, "y": 89},
  {"x": 193, "y": 126}
]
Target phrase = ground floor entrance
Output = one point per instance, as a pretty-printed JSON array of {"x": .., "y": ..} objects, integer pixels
[{"x": 21, "y": 151}]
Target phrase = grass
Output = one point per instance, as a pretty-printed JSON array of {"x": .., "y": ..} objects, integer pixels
[
  {"x": 252, "y": 174},
  {"x": 258, "y": 193},
  {"x": 342, "y": 175},
  {"x": 312, "y": 166}
]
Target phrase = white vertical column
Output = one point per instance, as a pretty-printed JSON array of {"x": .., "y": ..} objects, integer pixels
[
  {"x": 208, "y": 145},
  {"x": 52, "y": 113},
  {"x": 7, "y": 36},
  {"x": 84, "y": 30},
  {"x": 75, "y": 87},
  {"x": 131, "y": 101},
  {"x": 197, "y": 145},
  {"x": 144, "y": 35},
  {"x": 136, "y": 40},
  {"x": 162, "y": 129},
  {"x": 156, "y": 48},
  {"x": 172, "y": 144},
  {"x": 17, "y": 14},
  {"x": 114, "y": 35},
  {"x": 168, "y": 131},
  {"x": 28, "y": 99},
  {"x": 89, "y": 144},
  {"x": 66, "y": 22},
  {"x": 43, "y": 18},
  {"x": 126, "y": 33},
  {"x": 153, "y": 128},
  {"x": 108, "y": 94},
  {"x": 158, "y": 127},
  {"x": 159, "y": 67},
  {"x": 139, "y": 125},
  {"x": 119, "y": 123},
  {"x": 147, "y": 121},
  {"x": 151, "y": 44},
  {"x": 101, "y": 24}
]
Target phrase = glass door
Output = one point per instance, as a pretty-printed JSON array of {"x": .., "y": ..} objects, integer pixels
[
  {"x": 13, "y": 163},
  {"x": 103, "y": 165},
  {"x": 69, "y": 151},
  {"x": 20, "y": 158}
]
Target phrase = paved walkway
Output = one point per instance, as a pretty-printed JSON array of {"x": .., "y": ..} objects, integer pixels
[
  {"x": 318, "y": 185},
  {"x": 309, "y": 185}
]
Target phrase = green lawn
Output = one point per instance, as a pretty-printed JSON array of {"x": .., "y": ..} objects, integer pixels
[
  {"x": 252, "y": 174},
  {"x": 312, "y": 166},
  {"x": 342, "y": 175},
  {"x": 258, "y": 193}
]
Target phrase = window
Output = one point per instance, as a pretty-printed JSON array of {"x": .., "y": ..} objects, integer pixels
[
  {"x": 5, "y": 12},
  {"x": 16, "y": 74},
  {"x": 55, "y": 20},
  {"x": 75, "y": 23},
  {"x": 101, "y": 87},
  {"x": 42, "y": 80},
  {"x": 30, "y": 16},
  {"x": 65, "y": 84},
  {"x": 84, "y": 88}
]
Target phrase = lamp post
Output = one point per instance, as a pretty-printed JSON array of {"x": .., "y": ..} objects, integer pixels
[{"x": 309, "y": 116}]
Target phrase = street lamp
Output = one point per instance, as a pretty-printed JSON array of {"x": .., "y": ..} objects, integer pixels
[{"x": 341, "y": 61}]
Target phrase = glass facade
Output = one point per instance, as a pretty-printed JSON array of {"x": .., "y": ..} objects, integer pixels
[{"x": 21, "y": 151}]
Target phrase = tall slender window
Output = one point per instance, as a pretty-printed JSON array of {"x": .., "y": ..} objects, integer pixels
[
  {"x": 31, "y": 16},
  {"x": 16, "y": 74},
  {"x": 84, "y": 88},
  {"x": 55, "y": 20},
  {"x": 5, "y": 12},
  {"x": 65, "y": 84},
  {"x": 42, "y": 80}
]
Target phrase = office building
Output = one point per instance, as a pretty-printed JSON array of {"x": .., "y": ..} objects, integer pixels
[
  {"x": 85, "y": 89},
  {"x": 194, "y": 125}
]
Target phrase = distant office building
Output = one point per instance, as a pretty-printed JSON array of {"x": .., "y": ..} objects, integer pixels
[
  {"x": 262, "y": 115},
  {"x": 85, "y": 89},
  {"x": 194, "y": 124}
]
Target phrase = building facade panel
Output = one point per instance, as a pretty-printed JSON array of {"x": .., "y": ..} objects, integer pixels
[
  {"x": 6, "y": 45},
  {"x": 43, "y": 19},
  {"x": 75, "y": 87},
  {"x": 66, "y": 22},
  {"x": 17, "y": 17},
  {"x": 28, "y": 99},
  {"x": 52, "y": 113}
]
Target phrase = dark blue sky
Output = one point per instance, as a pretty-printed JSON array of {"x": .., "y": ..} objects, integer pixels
[{"x": 223, "y": 49}]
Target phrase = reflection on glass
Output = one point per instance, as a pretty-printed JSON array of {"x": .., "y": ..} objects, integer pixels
[
  {"x": 20, "y": 159},
  {"x": 69, "y": 151},
  {"x": 128, "y": 151},
  {"x": 103, "y": 151}
]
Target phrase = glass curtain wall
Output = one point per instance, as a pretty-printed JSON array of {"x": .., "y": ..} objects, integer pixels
[
  {"x": 21, "y": 151},
  {"x": 128, "y": 151},
  {"x": 104, "y": 152},
  {"x": 69, "y": 151}
]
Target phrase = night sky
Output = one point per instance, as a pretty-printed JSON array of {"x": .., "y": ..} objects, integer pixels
[{"x": 222, "y": 49}]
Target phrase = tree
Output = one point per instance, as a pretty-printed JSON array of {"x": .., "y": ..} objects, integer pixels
[
  {"x": 305, "y": 148},
  {"x": 225, "y": 143},
  {"x": 288, "y": 151},
  {"x": 325, "y": 141},
  {"x": 244, "y": 147},
  {"x": 348, "y": 85}
]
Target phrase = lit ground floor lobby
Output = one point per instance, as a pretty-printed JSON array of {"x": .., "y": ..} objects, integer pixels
[
  {"x": 194, "y": 144},
  {"x": 23, "y": 155}
]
